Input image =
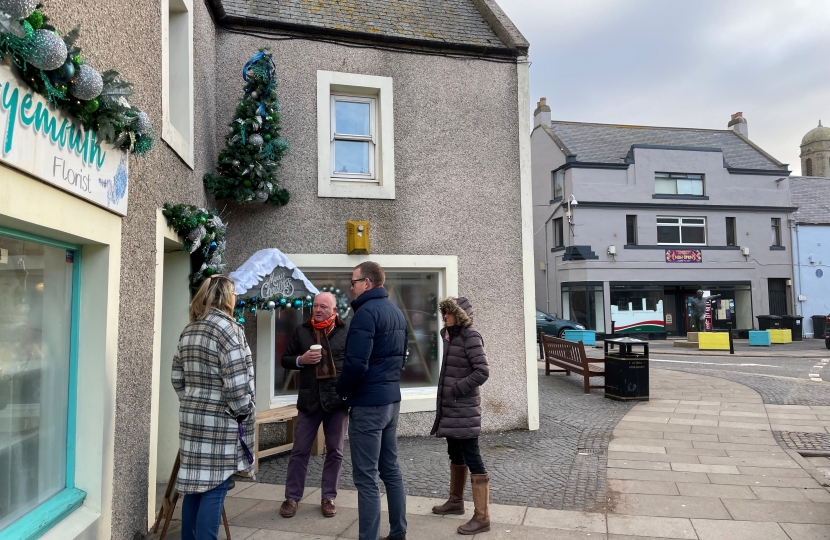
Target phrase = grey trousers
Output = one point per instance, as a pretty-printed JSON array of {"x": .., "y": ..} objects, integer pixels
[{"x": 373, "y": 443}]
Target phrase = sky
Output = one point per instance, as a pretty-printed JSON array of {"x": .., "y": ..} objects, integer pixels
[{"x": 683, "y": 63}]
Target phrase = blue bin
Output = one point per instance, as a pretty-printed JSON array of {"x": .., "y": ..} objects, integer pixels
[
  {"x": 587, "y": 337},
  {"x": 760, "y": 338}
]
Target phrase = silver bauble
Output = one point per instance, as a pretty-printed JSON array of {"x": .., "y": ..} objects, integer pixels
[
  {"x": 261, "y": 196},
  {"x": 271, "y": 304},
  {"x": 235, "y": 163},
  {"x": 18, "y": 9},
  {"x": 49, "y": 51},
  {"x": 254, "y": 95},
  {"x": 88, "y": 85},
  {"x": 256, "y": 140},
  {"x": 142, "y": 123}
]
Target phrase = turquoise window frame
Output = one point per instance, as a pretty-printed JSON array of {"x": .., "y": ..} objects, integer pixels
[{"x": 44, "y": 517}]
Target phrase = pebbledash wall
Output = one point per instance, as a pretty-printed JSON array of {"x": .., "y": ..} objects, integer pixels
[
  {"x": 458, "y": 172},
  {"x": 119, "y": 261},
  {"x": 461, "y": 207}
]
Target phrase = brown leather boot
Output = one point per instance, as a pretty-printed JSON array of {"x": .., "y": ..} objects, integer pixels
[
  {"x": 455, "y": 504},
  {"x": 481, "y": 498}
]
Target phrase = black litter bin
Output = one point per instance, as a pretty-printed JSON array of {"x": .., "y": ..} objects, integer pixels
[
  {"x": 767, "y": 322},
  {"x": 819, "y": 326},
  {"x": 793, "y": 322},
  {"x": 626, "y": 370}
]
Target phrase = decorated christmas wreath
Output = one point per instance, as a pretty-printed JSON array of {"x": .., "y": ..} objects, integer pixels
[{"x": 52, "y": 66}]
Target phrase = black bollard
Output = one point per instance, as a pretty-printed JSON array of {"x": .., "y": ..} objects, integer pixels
[{"x": 731, "y": 343}]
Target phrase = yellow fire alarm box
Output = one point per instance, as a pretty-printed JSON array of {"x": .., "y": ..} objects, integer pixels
[{"x": 357, "y": 237}]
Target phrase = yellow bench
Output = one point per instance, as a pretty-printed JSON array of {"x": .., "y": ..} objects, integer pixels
[
  {"x": 713, "y": 341},
  {"x": 781, "y": 335}
]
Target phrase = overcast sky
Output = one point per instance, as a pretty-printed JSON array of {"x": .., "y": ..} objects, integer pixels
[{"x": 689, "y": 63}]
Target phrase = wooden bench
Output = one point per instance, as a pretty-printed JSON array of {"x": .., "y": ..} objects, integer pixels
[
  {"x": 570, "y": 356},
  {"x": 288, "y": 415}
]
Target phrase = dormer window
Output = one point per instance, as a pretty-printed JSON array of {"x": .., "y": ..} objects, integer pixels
[{"x": 678, "y": 184}]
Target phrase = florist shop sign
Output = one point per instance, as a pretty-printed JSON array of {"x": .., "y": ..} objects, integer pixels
[
  {"x": 684, "y": 256},
  {"x": 49, "y": 145}
]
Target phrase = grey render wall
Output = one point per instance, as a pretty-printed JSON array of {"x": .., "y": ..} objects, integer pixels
[
  {"x": 127, "y": 37},
  {"x": 600, "y": 227},
  {"x": 543, "y": 162},
  {"x": 457, "y": 186}
]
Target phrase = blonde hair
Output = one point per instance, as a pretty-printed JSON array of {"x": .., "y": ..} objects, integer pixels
[{"x": 216, "y": 292}]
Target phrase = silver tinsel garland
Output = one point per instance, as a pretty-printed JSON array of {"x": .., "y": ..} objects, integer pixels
[
  {"x": 18, "y": 9},
  {"x": 87, "y": 84},
  {"x": 49, "y": 51}
]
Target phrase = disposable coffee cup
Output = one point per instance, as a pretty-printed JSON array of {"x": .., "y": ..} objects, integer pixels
[{"x": 316, "y": 348}]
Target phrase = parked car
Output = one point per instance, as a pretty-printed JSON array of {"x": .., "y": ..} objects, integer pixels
[{"x": 553, "y": 326}]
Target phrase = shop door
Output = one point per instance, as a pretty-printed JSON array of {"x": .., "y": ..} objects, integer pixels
[{"x": 777, "y": 296}]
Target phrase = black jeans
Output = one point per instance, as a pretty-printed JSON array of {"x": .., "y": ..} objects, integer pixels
[{"x": 465, "y": 452}]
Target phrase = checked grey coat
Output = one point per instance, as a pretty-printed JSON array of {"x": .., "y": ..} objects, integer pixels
[{"x": 213, "y": 374}]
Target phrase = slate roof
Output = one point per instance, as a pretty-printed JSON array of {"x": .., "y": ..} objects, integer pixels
[
  {"x": 609, "y": 143},
  {"x": 811, "y": 194},
  {"x": 448, "y": 23}
]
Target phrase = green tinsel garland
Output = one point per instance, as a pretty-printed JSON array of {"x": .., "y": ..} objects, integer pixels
[
  {"x": 110, "y": 114},
  {"x": 204, "y": 238}
]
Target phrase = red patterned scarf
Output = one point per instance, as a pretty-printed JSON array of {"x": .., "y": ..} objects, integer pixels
[{"x": 327, "y": 325}]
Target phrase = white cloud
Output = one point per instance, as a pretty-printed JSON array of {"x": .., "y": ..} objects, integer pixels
[{"x": 683, "y": 63}]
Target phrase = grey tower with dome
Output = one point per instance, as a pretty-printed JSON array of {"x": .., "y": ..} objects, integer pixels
[{"x": 815, "y": 152}]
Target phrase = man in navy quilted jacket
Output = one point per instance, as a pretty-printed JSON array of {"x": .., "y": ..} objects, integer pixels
[{"x": 370, "y": 384}]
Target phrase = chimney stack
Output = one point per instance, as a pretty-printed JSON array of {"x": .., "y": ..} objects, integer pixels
[
  {"x": 542, "y": 113},
  {"x": 738, "y": 124}
]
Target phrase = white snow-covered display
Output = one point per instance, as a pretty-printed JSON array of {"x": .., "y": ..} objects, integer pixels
[{"x": 269, "y": 272}]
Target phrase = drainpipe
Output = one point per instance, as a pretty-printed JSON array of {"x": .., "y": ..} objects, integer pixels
[
  {"x": 547, "y": 270},
  {"x": 799, "y": 308}
]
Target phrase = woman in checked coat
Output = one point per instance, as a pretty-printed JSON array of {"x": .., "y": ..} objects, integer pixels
[
  {"x": 458, "y": 412},
  {"x": 213, "y": 375}
]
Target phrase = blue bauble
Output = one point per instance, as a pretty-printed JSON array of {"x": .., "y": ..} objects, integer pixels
[
  {"x": 212, "y": 247},
  {"x": 282, "y": 301},
  {"x": 63, "y": 74}
]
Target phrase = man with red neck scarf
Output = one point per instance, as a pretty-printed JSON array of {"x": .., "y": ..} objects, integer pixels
[{"x": 317, "y": 402}]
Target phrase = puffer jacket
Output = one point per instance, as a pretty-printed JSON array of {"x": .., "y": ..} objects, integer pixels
[
  {"x": 375, "y": 352},
  {"x": 463, "y": 371},
  {"x": 314, "y": 393}
]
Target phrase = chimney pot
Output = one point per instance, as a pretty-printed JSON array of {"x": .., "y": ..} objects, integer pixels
[
  {"x": 738, "y": 124},
  {"x": 542, "y": 113}
]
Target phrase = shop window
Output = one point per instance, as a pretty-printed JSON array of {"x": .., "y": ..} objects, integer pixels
[
  {"x": 631, "y": 230},
  {"x": 678, "y": 184},
  {"x": 731, "y": 232},
  {"x": 415, "y": 293},
  {"x": 809, "y": 167},
  {"x": 558, "y": 232},
  {"x": 36, "y": 366},
  {"x": 355, "y": 136},
  {"x": 776, "y": 232},
  {"x": 558, "y": 181},
  {"x": 583, "y": 303},
  {"x": 681, "y": 231},
  {"x": 637, "y": 310},
  {"x": 177, "y": 77}
]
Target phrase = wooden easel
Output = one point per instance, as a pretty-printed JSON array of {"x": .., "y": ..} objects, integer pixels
[{"x": 168, "y": 504}]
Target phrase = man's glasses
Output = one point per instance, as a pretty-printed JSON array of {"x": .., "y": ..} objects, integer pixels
[{"x": 357, "y": 280}]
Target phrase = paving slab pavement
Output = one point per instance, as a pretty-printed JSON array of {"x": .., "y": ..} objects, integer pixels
[{"x": 748, "y": 487}]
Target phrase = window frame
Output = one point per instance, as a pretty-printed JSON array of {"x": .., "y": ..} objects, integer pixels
[
  {"x": 50, "y": 512},
  {"x": 559, "y": 232},
  {"x": 379, "y": 185},
  {"x": 631, "y": 220},
  {"x": 731, "y": 229},
  {"x": 680, "y": 176},
  {"x": 371, "y": 138},
  {"x": 680, "y": 232},
  {"x": 413, "y": 399},
  {"x": 775, "y": 226},
  {"x": 181, "y": 143},
  {"x": 557, "y": 181}
]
